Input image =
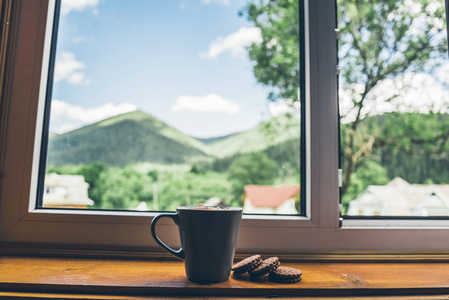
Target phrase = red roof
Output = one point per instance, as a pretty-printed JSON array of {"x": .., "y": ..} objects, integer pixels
[{"x": 270, "y": 196}]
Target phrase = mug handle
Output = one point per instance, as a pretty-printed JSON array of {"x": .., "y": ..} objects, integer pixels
[{"x": 174, "y": 216}]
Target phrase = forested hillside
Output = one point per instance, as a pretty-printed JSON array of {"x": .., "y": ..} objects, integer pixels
[
  {"x": 134, "y": 157},
  {"x": 130, "y": 157},
  {"x": 126, "y": 139},
  {"x": 269, "y": 133},
  {"x": 137, "y": 137}
]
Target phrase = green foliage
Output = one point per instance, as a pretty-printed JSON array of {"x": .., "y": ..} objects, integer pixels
[
  {"x": 286, "y": 155},
  {"x": 197, "y": 169},
  {"x": 277, "y": 56},
  {"x": 384, "y": 38},
  {"x": 369, "y": 173},
  {"x": 287, "y": 158},
  {"x": 252, "y": 168},
  {"x": 412, "y": 146},
  {"x": 64, "y": 169},
  {"x": 379, "y": 40},
  {"x": 269, "y": 133},
  {"x": 416, "y": 147},
  {"x": 177, "y": 189},
  {"x": 124, "y": 188},
  {"x": 154, "y": 175},
  {"x": 113, "y": 187},
  {"x": 92, "y": 175}
]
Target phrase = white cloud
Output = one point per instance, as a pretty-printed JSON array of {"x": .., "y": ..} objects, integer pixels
[
  {"x": 77, "y": 5},
  {"x": 235, "y": 42},
  {"x": 69, "y": 69},
  {"x": 222, "y": 2},
  {"x": 66, "y": 117},
  {"x": 208, "y": 103},
  {"x": 282, "y": 107}
]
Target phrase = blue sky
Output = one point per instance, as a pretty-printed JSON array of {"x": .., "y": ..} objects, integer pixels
[{"x": 183, "y": 61}]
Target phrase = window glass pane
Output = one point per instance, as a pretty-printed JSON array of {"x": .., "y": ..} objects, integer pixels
[
  {"x": 394, "y": 105},
  {"x": 159, "y": 104}
]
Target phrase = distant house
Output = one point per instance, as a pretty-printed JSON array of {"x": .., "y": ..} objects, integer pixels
[
  {"x": 400, "y": 198},
  {"x": 142, "y": 206},
  {"x": 66, "y": 191},
  {"x": 261, "y": 199}
]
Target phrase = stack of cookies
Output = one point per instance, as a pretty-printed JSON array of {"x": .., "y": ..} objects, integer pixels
[{"x": 257, "y": 268}]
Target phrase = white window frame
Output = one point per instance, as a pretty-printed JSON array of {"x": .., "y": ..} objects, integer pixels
[{"x": 320, "y": 230}]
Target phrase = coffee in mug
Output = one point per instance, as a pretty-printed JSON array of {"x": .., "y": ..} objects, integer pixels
[{"x": 208, "y": 239}]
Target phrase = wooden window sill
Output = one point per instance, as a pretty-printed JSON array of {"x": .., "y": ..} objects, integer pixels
[{"x": 71, "y": 276}]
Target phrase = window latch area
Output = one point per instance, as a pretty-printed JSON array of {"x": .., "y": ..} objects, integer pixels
[
  {"x": 337, "y": 33},
  {"x": 340, "y": 177}
]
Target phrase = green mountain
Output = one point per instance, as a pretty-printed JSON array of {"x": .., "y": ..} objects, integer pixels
[
  {"x": 52, "y": 135},
  {"x": 267, "y": 134},
  {"x": 214, "y": 139},
  {"x": 125, "y": 139}
]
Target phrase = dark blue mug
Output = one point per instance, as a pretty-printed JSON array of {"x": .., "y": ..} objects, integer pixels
[{"x": 208, "y": 239}]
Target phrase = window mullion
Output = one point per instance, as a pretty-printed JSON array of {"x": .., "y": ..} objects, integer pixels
[{"x": 324, "y": 112}]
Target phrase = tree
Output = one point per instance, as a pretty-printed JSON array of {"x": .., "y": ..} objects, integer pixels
[
  {"x": 277, "y": 56},
  {"x": 369, "y": 173},
  {"x": 186, "y": 188},
  {"x": 253, "y": 168},
  {"x": 124, "y": 188},
  {"x": 91, "y": 174},
  {"x": 380, "y": 40},
  {"x": 384, "y": 39},
  {"x": 154, "y": 175}
]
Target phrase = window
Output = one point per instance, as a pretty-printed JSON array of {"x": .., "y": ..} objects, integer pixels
[
  {"x": 394, "y": 101},
  {"x": 178, "y": 115},
  {"x": 319, "y": 229}
]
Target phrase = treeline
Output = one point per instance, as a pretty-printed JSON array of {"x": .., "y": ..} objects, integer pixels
[
  {"x": 166, "y": 188},
  {"x": 286, "y": 155},
  {"x": 124, "y": 188},
  {"x": 412, "y": 146}
]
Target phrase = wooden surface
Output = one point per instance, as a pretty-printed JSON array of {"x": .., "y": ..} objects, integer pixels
[
  {"x": 80, "y": 251},
  {"x": 146, "y": 278},
  {"x": 19, "y": 296}
]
